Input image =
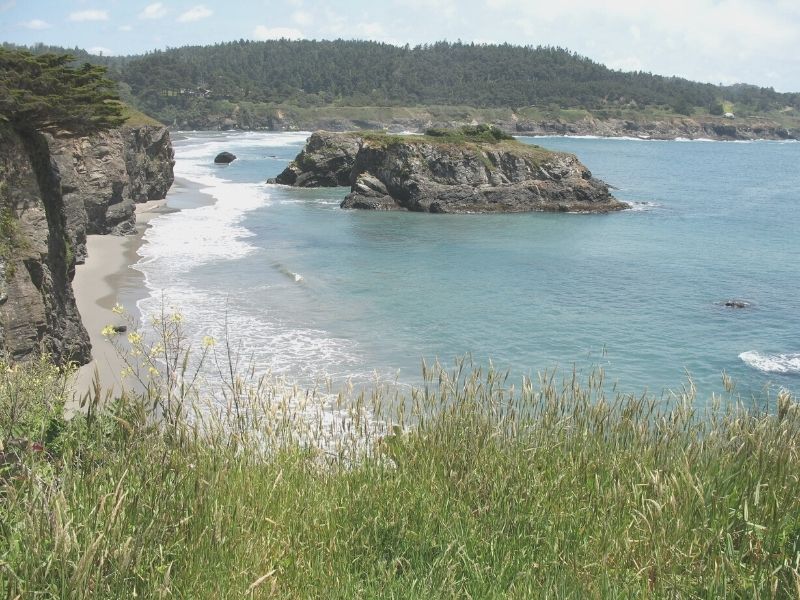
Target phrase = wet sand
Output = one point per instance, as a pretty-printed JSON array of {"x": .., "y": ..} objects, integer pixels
[{"x": 106, "y": 279}]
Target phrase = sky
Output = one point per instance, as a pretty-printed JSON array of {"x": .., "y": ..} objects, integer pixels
[{"x": 717, "y": 41}]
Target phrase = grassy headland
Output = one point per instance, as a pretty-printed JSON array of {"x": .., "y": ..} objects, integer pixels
[{"x": 465, "y": 487}]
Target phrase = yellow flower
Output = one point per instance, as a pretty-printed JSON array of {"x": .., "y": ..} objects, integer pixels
[
  {"x": 153, "y": 371},
  {"x": 134, "y": 337},
  {"x": 177, "y": 317},
  {"x": 118, "y": 309},
  {"x": 108, "y": 331},
  {"x": 208, "y": 341}
]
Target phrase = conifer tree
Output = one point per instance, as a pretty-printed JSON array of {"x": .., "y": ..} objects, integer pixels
[{"x": 46, "y": 93}]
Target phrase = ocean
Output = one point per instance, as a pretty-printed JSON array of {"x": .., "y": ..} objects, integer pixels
[{"x": 306, "y": 290}]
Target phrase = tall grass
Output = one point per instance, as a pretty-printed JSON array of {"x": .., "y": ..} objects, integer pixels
[{"x": 468, "y": 486}]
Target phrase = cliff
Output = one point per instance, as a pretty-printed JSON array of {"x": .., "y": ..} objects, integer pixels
[
  {"x": 53, "y": 192},
  {"x": 104, "y": 175},
  {"x": 37, "y": 307},
  {"x": 464, "y": 171}
]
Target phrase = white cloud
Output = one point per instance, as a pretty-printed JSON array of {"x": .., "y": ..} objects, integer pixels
[
  {"x": 275, "y": 33},
  {"x": 302, "y": 17},
  {"x": 369, "y": 31},
  {"x": 195, "y": 13},
  {"x": 89, "y": 15},
  {"x": 8, "y": 5},
  {"x": 705, "y": 40},
  {"x": 36, "y": 24},
  {"x": 153, "y": 11},
  {"x": 100, "y": 51},
  {"x": 443, "y": 8}
]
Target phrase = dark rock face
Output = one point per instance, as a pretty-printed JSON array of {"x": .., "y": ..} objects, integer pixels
[
  {"x": 326, "y": 161},
  {"x": 736, "y": 304},
  {"x": 224, "y": 158},
  {"x": 104, "y": 175},
  {"x": 53, "y": 191},
  {"x": 149, "y": 162},
  {"x": 427, "y": 176},
  {"x": 37, "y": 310}
]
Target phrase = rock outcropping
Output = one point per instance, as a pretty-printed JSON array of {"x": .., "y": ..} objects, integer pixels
[
  {"x": 37, "y": 306},
  {"x": 53, "y": 191},
  {"x": 443, "y": 175},
  {"x": 104, "y": 175}
]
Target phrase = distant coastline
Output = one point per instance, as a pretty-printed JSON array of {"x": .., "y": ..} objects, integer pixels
[{"x": 631, "y": 124}]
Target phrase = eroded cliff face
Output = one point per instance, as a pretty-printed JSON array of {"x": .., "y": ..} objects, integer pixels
[
  {"x": 37, "y": 306},
  {"x": 53, "y": 192},
  {"x": 422, "y": 174},
  {"x": 104, "y": 175}
]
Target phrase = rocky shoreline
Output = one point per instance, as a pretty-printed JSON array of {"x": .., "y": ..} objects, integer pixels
[
  {"x": 662, "y": 128},
  {"x": 437, "y": 174}
]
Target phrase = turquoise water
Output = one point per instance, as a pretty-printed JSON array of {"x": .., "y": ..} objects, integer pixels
[{"x": 306, "y": 289}]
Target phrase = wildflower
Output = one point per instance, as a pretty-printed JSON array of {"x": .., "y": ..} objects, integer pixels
[
  {"x": 153, "y": 371},
  {"x": 177, "y": 317},
  {"x": 208, "y": 341},
  {"x": 118, "y": 309},
  {"x": 135, "y": 337},
  {"x": 126, "y": 372},
  {"x": 108, "y": 331}
]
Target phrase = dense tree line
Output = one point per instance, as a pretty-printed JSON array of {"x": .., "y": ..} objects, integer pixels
[{"x": 362, "y": 73}]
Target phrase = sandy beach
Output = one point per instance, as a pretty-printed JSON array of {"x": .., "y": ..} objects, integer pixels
[{"x": 106, "y": 279}]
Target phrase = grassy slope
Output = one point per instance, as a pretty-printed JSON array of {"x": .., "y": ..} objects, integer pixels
[
  {"x": 135, "y": 118},
  {"x": 552, "y": 488}
]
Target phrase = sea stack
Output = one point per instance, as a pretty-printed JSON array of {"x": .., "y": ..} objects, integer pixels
[{"x": 469, "y": 170}]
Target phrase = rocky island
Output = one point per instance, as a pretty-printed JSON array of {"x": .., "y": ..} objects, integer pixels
[{"x": 476, "y": 169}]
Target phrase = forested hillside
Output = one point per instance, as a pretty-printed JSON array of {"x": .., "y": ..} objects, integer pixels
[{"x": 360, "y": 73}]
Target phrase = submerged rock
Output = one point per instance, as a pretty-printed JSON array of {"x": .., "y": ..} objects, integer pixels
[
  {"x": 736, "y": 304},
  {"x": 224, "y": 158},
  {"x": 448, "y": 172}
]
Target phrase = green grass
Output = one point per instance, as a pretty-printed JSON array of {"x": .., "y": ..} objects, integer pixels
[
  {"x": 470, "y": 488},
  {"x": 480, "y": 138},
  {"x": 136, "y": 118}
]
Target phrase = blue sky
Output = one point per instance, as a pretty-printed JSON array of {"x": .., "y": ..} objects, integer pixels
[{"x": 721, "y": 41}]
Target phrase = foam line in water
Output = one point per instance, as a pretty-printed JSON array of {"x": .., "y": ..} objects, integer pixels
[
  {"x": 180, "y": 241},
  {"x": 772, "y": 363},
  {"x": 194, "y": 157}
]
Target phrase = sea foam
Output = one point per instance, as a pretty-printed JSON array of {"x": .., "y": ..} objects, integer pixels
[
  {"x": 177, "y": 243},
  {"x": 772, "y": 363}
]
